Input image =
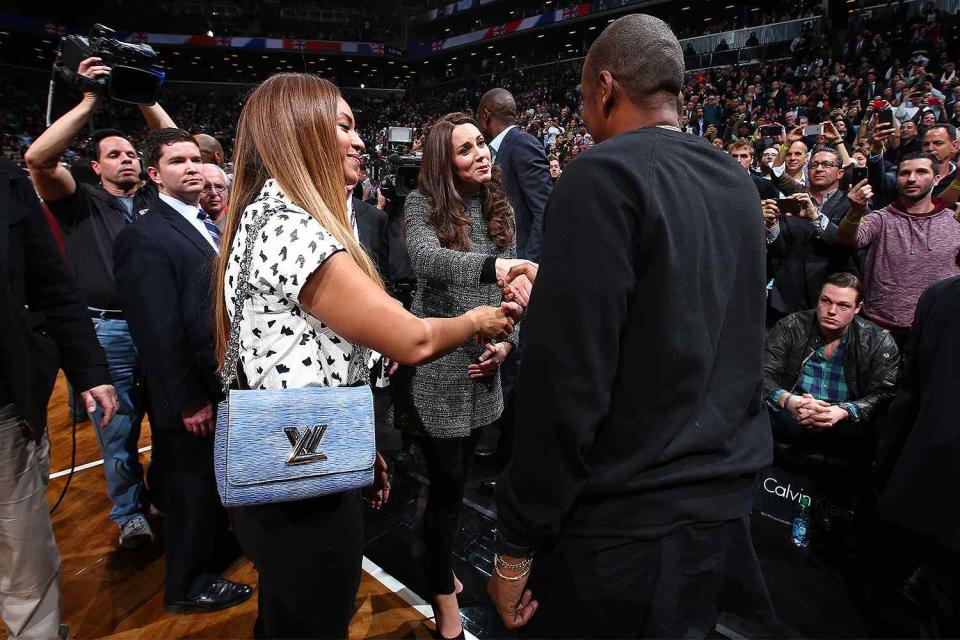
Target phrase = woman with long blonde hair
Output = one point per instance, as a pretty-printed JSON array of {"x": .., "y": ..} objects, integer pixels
[{"x": 313, "y": 294}]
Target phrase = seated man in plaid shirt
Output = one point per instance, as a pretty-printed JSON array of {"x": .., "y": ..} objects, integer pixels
[{"x": 828, "y": 372}]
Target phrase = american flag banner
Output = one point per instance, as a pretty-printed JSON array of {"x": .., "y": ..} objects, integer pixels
[
  {"x": 522, "y": 24},
  {"x": 55, "y": 29}
]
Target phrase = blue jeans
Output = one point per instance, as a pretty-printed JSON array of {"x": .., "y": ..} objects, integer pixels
[{"x": 118, "y": 440}]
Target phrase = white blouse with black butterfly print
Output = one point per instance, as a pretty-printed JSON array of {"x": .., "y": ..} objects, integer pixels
[{"x": 281, "y": 344}]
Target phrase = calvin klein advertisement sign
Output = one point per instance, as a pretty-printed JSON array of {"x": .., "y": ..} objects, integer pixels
[{"x": 778, "y": 493}]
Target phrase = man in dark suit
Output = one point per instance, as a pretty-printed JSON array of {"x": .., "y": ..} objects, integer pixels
[
  {"x": 372, "y": 231},
  {"x": 526, "y": 174},
  {"x": 526, "y": 179},
  {"x": 45, "y": 327},
  {"x": 803, "y": 246},
  {"x": 163, "y": 268}
]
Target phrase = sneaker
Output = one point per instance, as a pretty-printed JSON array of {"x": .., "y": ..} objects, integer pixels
[{"x": 135, "y": 532}]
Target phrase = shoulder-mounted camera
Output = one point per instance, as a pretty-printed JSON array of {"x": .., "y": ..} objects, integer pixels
[{"x": 135, "y": 75}]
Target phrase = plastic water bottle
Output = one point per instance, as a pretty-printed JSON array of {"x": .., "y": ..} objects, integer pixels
[{"x": 800, "y": 530}]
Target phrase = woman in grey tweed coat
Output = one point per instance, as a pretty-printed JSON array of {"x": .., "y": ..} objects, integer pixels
[{"x": 460, "y": 235}]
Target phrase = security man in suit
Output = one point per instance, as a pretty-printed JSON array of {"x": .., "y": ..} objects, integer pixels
[
  {"x": 526, "y": 178},
  {"x": 526, "y": 174},
  {"x": 163, "y": 272}
]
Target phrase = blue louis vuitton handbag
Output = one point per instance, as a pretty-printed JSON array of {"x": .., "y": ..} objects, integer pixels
[{"x": 280, "y": 445}]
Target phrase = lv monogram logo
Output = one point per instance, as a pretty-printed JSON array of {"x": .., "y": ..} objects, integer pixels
[{"x": 305, "y": 444}]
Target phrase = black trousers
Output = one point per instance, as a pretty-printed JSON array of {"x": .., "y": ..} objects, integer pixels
[
  {"x": 196, "y": 534},
  {"x": 309, "y": 555},
  {"x": 673, "y": 587},
  {"x": 508, "y": 380},
  {"x": 448, "y": 463}
]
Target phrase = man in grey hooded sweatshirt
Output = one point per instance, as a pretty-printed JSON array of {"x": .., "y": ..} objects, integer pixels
[{"x": 911, "y": 243}]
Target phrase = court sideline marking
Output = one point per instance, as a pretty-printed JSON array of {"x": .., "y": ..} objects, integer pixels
[{"x": 375, "y": 571}]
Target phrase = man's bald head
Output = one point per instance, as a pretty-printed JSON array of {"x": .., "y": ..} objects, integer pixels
[
  {"x": 210, "y": 149},
  {"x": 643, "y": 56},
  {"x": 500, "y": 103},
  {"x": 496, "y": 112}
]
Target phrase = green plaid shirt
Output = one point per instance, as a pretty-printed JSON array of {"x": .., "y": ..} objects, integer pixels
[{"x": 824, "y": 379}]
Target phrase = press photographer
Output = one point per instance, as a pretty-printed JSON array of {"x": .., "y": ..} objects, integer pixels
[{"x": 91, "y": 216}]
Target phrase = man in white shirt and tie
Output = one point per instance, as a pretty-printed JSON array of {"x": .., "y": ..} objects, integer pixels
[{"x": 163, "y": 265}]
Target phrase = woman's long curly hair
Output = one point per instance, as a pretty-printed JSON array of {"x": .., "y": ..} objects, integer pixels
[{"x": 447, "y": 209}]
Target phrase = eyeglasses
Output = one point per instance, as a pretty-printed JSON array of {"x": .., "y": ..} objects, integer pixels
[{"x": 825, "y": 164}]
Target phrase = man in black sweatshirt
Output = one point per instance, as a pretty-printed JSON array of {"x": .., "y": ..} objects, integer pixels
[{"x": 639, "y": 415}]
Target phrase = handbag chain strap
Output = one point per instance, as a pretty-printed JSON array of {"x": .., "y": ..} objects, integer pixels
[{"x": 228, "y": 372}]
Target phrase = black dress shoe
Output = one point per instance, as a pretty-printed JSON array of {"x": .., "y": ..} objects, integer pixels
[
  {"x": 221, "y": 594},
  {"x": 488, "y": 487}
]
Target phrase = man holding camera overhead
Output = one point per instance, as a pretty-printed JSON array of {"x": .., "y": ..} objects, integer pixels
[{"x": 91, "y": 217}]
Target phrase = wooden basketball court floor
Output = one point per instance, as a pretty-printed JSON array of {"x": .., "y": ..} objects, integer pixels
[{"x": 108, "y": 592}]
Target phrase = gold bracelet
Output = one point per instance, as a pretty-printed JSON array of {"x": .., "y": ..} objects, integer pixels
[
  {"x": 512, "y": 566},
  {"x": 855, "y": 223},
  {"x": 516, "y": 578}
]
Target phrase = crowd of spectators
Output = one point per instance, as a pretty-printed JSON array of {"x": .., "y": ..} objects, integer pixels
[
  {"x": 780, "y": 13},
  {"x": 375, "y": 23},
  {"x": 685, "y": 28},
  {"x": 887, "y": 99},
  {"x": 895, "y": 61}
]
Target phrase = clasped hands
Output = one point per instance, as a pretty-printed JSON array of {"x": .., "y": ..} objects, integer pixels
[
  {"x": 812, "y": 413},
  {"x": 514, "y": 281}
]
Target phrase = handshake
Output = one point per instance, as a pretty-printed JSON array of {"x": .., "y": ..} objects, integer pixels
[{"x": 515, "y": 279}]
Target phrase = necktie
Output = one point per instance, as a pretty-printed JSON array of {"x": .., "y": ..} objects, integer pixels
[{"x": 211, "y": 228}]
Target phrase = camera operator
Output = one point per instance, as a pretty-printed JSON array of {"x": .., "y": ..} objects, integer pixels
[
  {"x": 91, "y": 216},
  {"x": 802, "y": 245}
]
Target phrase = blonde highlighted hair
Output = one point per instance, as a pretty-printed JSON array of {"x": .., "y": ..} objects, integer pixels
[{"x": 287, "y": 131}]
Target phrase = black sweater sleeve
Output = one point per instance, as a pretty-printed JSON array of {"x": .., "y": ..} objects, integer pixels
[
  {"x": 571, "y": 346},
  {"x": 51, "y": 289}
]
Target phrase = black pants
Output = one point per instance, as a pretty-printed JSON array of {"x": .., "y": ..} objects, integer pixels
[
  {"x": 508, "y": 380},
  {"x": 308, "y": 554},
  {"x": 673, "y": 587},
  {"x": 196, "y": 535},
  {"x": 448, "y": 463}
]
